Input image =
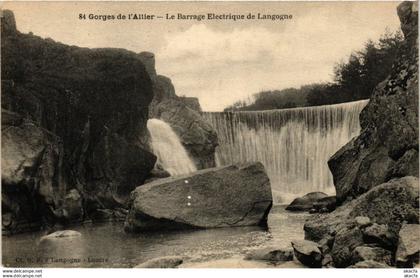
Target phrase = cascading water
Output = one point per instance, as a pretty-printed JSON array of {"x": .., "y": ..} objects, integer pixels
[
  {"x": 168, "y": 148},
  {"x": 293, "y": 144}
]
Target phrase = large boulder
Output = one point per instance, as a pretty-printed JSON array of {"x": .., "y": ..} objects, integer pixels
[
  {"x": 74, "y": 119},
  {"x": 235, "y": 195},
  {"x": 381, "y": 235},
  {"x": 305, "y": 202},
  {"x": 308, "y": 253},
  {"x": 408, "y": 251},
  {"x": 390, "y": 203},
  {"x": 388, "y": 144}
]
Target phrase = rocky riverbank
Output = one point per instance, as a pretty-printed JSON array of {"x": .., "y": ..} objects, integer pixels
[{"x": 376, "y": 174}]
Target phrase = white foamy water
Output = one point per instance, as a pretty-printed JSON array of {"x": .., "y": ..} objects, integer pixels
[
  {"x": 168, "y": 148},
  {"x": 293, "y": 144}
]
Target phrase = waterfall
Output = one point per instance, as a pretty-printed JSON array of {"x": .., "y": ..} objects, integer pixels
[
  {"x": 293, "y": 144},
  {"x": 168, "y": 148}
]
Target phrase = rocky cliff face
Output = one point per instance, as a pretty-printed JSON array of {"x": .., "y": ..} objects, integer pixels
[
  {"x": 183, "y": 114},
  {"x": 388, "y": 144},
  {"x": 376, "y": 174},
  {"x": 74, "y": 136}
]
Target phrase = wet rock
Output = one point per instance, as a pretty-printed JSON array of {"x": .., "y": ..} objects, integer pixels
[
  {"x": 408, "y": 250},
  {"x": 369, "y": 264},
  {"x": 366, "y": 253},
  {"x": 381, "y": 235},
  {"x": 235, "y": 195},
  {"x": 308, "y": 253},
  {"x": 66, "y": 234},
  {"x": 306, "y": 202},
  {"x": 271, "y": 254},
  {"x": 162, "y": 262}
]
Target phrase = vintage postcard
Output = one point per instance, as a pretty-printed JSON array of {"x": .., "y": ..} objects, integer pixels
[{"x": 210, "y": 135}]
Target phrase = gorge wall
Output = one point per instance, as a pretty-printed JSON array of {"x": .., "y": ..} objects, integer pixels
[
  {"x": 376, "y": 173},
  {"x": 388, "y": 145},
  {"x": 74, "y": 135},
  {"x": 75, "y": 141}
]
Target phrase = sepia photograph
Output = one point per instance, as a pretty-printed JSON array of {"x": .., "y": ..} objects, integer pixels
[{"x": 210, "y": 134}]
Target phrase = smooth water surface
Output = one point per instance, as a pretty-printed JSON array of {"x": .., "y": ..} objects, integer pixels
[{"x": 107, "y": 245}]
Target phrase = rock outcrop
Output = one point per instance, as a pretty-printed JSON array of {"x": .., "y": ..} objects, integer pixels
[
  {"x": 390, "y": 203},
  {"x": 74, "y": 136},
  {"x": 388, "y": 145},
  {"x": 376, "y": 173},
  {"x": 308, "y": 253},
  {"x": 183, "y": 114},
  {"x": 192, "y": 103},
  {"x": 387, "y": 206},
  {"x": 196, "y": 135},
  {"x": 306, "y": 202},
  {"x": 236, "y": 195}
]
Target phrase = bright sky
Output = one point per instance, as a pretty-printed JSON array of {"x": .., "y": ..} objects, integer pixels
[{"x": 221, "y": 61}]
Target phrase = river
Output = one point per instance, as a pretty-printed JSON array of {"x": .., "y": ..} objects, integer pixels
[{"x": 107, "y": 245}]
